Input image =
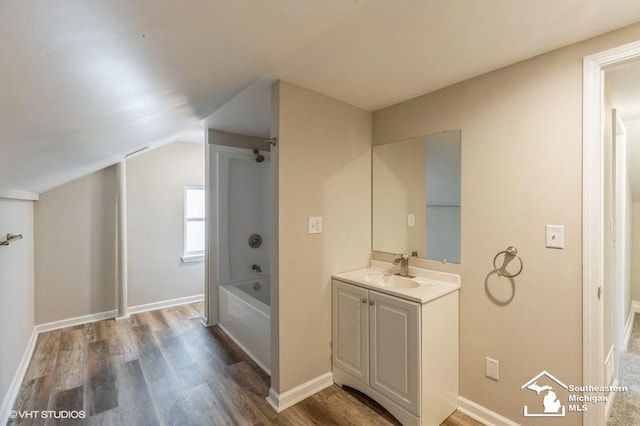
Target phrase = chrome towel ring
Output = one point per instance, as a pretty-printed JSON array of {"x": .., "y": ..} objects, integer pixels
[{"x": 509, "y": 254}]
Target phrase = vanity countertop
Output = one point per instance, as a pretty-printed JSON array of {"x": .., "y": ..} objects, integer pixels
[{"x": 427, "y": 285}]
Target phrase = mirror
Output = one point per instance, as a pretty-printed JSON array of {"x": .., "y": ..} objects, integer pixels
[{"x": 416, "y": 196}]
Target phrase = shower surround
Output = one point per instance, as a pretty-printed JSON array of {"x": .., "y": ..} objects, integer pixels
[{"x": 240, "y": 232}]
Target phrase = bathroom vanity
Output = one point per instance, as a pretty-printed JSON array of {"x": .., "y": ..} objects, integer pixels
[{"x": 396, "y": 340}]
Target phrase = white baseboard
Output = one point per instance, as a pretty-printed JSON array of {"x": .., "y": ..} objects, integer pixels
[
  {"x": 610, "y": 365},
  {"x": 85, "y": 319},
  {"x": 482, "y": 414},
  {"x": 628, "y": 328},
  {"x": 16, "y": 382},
  {"x": 286, "y": 399},
  {"x": 165, "y": 304}
]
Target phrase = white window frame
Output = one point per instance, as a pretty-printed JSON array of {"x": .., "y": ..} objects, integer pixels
[{"x": 191, "y": 256}]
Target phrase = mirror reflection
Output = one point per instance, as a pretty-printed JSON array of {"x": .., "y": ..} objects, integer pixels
[{"x": 416, "y": 196}]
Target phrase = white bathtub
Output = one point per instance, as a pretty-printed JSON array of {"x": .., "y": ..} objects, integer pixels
[{"x": 245, "y": 316}]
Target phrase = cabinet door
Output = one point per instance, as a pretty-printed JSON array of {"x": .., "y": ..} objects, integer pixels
[
  {"x": 351, "y": 330},
  {"x": 394, "y": 349}
]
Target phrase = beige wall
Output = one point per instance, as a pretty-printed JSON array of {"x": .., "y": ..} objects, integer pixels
[
  {"x": 75, "y": 226},
  {"x": 155, "y": 207},
  {"x": 521, "y": 170},
  {"x": 324, "y": 157},
  {"x": 16, "y": 289},
  {"x": 75, "y": 264}
]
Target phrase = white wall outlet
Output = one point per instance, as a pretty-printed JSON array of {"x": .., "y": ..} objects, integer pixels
[
  {"x": 411, "y": 220},
  {"x": 492, "y": 369},
  {"x": 315, "y": 225},
  {"x": 555, "y": 236}
]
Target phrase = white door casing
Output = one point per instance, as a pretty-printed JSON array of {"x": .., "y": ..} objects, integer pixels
[{"x": 593, "y": 217}]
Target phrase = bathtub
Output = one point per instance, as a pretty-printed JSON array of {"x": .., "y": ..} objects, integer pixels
[{"x": 245, "y": 316}]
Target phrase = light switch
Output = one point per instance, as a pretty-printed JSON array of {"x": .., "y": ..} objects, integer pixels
[
  {"x": 555, "y": 236},
  {"x": 411, "y": 220},
  {"x": 492, "y": 369},
  {"x": 315, "y": 225}
]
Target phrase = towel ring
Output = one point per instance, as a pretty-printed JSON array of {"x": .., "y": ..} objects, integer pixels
[{"x": 509, "y": 254}]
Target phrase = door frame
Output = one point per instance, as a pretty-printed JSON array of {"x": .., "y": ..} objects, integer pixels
[
  {"x": 621, "y": 231},
  {"x": 593, "y": 216}
]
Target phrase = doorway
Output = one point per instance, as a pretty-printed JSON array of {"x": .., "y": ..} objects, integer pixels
[{"x": 598, "y": 229}]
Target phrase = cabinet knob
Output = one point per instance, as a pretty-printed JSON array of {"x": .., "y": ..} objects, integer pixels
[
  {"x": 371, "y": 302},
  {"x": 364, "y": 300}
]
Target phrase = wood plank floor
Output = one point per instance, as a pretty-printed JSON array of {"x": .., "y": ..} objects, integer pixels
[{"x": 164, "y": 368}]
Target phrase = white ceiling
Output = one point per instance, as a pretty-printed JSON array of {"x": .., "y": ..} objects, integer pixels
[
  {"x": 391, "y": 51},
  {"x": 86, "y": 82}
]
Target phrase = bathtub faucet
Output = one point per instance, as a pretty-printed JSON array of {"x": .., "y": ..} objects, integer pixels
[{"x": 256, "y": 268}]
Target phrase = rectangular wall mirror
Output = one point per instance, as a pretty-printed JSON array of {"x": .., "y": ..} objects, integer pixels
[{"x": 416, "y": 196}]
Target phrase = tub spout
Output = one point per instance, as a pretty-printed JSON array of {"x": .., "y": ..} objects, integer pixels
[{"x": 256, "y": 268}]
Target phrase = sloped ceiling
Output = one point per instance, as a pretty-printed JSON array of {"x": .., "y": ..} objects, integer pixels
[{"x": 86, "y": 82}]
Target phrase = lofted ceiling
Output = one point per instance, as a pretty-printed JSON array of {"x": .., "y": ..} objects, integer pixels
[{"x": 86, "y": 82}]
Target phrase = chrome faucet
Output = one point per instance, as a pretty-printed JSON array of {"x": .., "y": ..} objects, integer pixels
[
  {"x": 403, "y": 261},
  {"x": 256, "y": 268}
]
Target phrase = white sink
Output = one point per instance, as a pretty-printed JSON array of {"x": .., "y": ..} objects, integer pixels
[
  {"x": 391, "y": 281},
  {"x": 427, "y": 284}
]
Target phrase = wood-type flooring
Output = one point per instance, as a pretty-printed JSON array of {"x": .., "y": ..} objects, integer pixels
[{"x": 164, "y": 368}]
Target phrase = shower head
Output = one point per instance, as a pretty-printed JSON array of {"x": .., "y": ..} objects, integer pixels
[{"x": 259, "y": 157}]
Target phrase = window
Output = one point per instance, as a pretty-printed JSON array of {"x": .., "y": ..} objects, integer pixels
[{"x": 194, "y": 224}]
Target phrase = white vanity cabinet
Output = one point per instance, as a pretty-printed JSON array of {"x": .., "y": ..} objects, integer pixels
[{"x": 402, "y": 353}]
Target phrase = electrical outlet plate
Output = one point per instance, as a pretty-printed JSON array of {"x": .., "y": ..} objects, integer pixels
[
  {"x": 492, "y": 369},
  {"x": 411, "y": 220},
  {"x": 315, "y": 225}
]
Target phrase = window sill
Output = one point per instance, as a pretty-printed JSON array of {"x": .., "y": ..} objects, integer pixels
[{"x": 192, "y": 258}]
